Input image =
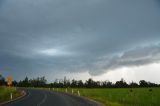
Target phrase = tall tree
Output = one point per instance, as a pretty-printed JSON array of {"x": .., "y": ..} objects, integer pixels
[{"x": 2, "y": 80}]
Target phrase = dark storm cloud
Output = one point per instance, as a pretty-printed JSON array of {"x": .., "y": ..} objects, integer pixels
[
  {"x": 73, "y": 35},
  {"x": 136, "y": 57}
]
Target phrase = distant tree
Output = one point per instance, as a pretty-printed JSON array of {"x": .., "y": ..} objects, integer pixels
[
  {"x": 65, "y": 81},
  {"x": 89, "y": 83},
  {"x": 97, "y": 84},
  {"x": 61, "y": 84},
  {"x": 80, "y": 83},
  {"x": 26, "y": 82},
  {"x": 35, "y": 82},
  {"x": 133, "y": 84},
  {"x": 14, "y": 83},
  {"x": 43, "y": 81},
  {"x": 150, "y": 84},
  {"x": 55, "y": 84},
  {"x": 107, "y": 84},
  {"x": 2, "y": 80},
  {"x": 74, "y": 83},
  {"x": 143, "y": 83},
  {"x": 121, "y": 84},
  {"x": 68, "y": 83}
]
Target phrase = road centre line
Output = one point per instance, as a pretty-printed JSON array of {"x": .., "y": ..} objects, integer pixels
[{"x": 44, "y": 99}]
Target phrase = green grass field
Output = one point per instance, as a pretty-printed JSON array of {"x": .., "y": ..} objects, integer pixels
[
  {"x": 5, "y": 93},
  {"x": 121, "y": 96}
]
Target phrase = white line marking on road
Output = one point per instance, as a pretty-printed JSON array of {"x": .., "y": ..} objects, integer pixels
[{"x": 44, "y": 99}]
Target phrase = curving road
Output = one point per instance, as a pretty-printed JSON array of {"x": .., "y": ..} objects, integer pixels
[{"x": 51, "y": 98}]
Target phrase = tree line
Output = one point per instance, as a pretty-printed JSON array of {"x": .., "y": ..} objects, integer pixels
[{"x": 65, "y": 83}]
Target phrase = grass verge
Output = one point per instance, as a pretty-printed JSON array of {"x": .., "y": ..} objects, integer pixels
[
  {"x": 119, "y": 96},
  {"x": 6, "y": 91}
]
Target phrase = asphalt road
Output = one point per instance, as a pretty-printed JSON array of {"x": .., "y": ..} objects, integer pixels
[{"x": 51, "y": 98}]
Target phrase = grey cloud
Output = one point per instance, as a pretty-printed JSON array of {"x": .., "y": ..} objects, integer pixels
[
  {"x": 92, "y": 32},
  {"x": 135, "y": 57}
]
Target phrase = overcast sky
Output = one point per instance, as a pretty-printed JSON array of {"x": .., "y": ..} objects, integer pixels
[{"x": 102, "y": 39}]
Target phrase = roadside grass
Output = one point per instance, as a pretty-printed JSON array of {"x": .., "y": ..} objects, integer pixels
[
  {"x": 5, "y": 93},
  {"x": 119, "y": 96}
]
